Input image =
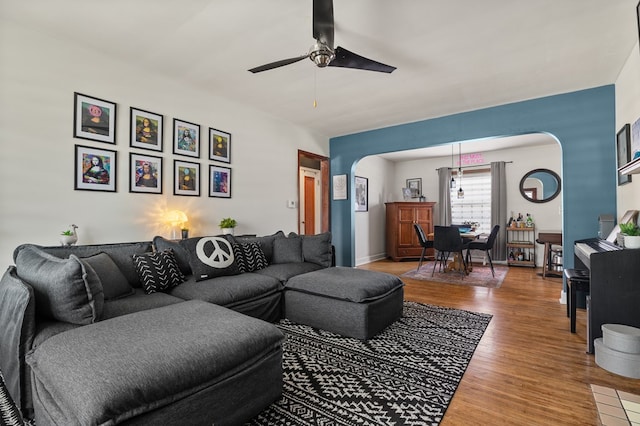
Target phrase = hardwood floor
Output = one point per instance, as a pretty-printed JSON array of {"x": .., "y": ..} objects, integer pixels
[{"x": 528, "y": 368}]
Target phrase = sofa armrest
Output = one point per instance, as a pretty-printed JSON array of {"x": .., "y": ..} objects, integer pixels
[{"x": 17, "y": 329}]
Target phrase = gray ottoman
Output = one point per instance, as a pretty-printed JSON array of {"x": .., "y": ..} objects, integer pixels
[
  {"x": 189, "y": 363},
  {"x": 351, "y": 302}
]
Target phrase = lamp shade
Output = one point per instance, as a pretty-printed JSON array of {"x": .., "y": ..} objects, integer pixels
[{"x": 176, "y": 217}]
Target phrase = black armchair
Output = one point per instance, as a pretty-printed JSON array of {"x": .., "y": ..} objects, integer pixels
[
  {"x": 484, "y": 244},
  {"x": 424, "y": 242},
  {"x": 447, "y": 240}
]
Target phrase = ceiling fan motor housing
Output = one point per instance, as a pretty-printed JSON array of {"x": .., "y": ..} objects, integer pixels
[{"x": 321, "y": 54}]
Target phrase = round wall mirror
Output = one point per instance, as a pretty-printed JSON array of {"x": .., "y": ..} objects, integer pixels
[{"x": 540, "y": 185}]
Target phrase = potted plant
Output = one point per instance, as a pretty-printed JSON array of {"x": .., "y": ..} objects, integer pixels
[
  {"x": 227, "y": 224},
  {"x": 69, "y": 236},
  {"x": 631, "y": 233}
]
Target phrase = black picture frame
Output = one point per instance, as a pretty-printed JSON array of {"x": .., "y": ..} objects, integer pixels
[
  {"x": 186, "y": 178},
  {"x": 94, "y": 119},
  {"x": 219, "y": 182},
  {"x": 146, "y": 129},
  {"x": 361, "y": 202},
  {"x": 183, "y": 144},
  {"x": 95, "y": 169},
  {"x": 638, "y": 18},
  {"x": 145, "y": 173},
  {"x": 219, "y": 145},
  {"x": 415, "y": 186},
  {"x": 623, "y": 150}
]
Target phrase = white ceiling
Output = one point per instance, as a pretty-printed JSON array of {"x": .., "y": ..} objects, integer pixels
[{"x": 452, "y": 56}]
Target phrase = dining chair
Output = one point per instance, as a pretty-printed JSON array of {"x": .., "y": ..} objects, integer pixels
[
  {"x": 484, "y": 244},
  {"x": 447, "y": 240},
  {"x": 424, "y": 242}
]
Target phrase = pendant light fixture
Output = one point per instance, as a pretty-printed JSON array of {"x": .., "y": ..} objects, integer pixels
[
  {"x": 452, "y": 184},
  {"x": 460, "y": 190}
]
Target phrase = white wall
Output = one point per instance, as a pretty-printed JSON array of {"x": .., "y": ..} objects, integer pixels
[
  {"x": 547, "y": 216},
  {"x": 628, "y": 111},
  {"x": 38, "y": 77},
  {"x": 370, "y": 225}
]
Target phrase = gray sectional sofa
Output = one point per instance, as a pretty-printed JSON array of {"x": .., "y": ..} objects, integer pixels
[{"x": 150, "y": 332}]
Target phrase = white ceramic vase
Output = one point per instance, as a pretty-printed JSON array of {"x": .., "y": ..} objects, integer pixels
[
  {"x": 632, "y": 241},
  {"x": 227, "y": 231},
  {"x": 67, "y": 240}
]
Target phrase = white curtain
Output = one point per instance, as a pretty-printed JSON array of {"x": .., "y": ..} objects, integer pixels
[
  {"x": 499, "y": 208},
  {"x": 444, "y": 196}
]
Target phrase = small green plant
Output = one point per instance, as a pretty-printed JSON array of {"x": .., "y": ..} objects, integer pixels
[
  {"x": 67, "y": 232},
  {"x": 227, "y": 222},
  {"x": 630, "y": 229}
]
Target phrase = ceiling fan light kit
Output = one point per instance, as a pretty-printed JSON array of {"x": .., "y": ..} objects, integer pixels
[{"x": 322, "y": 53}]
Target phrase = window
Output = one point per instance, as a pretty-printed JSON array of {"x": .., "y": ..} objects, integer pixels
[{"x": 476, "y": 204}]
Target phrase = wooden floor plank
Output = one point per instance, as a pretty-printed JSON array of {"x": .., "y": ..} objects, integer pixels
[{"x": 528, "y": 368}]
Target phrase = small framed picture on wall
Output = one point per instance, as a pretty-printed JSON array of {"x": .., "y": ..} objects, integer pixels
[
  {"x": 362, "y": 194},
  {"x": 95, "y": 169},
  {"x": 94, "y": 119},
  {"x": 145, "y": 173},
  {"x": 186, "y": 178},
  {"x": 146, "y": 130},
  {"x": 219, "y": 145},
  {"x": 219, "y": 182},
  {"x": 186, "y": 138},
  {"x": 623, "y": 149}
]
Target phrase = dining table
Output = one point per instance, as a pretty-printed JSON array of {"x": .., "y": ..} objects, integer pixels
[{"x": 457, "y": 264}]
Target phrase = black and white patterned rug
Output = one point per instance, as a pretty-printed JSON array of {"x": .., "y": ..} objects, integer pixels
[{"x": 406, "y": 375}]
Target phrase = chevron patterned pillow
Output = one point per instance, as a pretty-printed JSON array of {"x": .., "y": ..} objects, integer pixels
[
  {"x": 249, "y": 257},
  {"x": 158, "y": 271}
]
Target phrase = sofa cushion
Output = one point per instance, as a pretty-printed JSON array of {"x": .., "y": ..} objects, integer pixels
[
  {"x": 210, "y": 257},
  {"x": 138, "y": 301},
  {"x": 283, "y": 271},
  {"x": 266, "y": 243},
  {"x": 181, "y": 254},
  {"x": 228, "y": 291},
  {"x": 350, "y": 284},
  {"x": 114, "y": 283},
  {"x": 249, "y": 256},
  {"x": 120, "y": 253},
  {"x": 158, "y": 271},
  {"x": 287, "y": 250},
  {"x": 113, "y": 371},
  {"x": 64, "y": 289},
  {"x": 317, "y": 249}
]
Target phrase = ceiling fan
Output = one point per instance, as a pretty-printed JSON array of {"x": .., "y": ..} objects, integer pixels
[{"x": 322, "y": 52}]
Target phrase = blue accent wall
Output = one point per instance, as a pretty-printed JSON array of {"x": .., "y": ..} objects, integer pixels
[{"x": 583, "y": 122}]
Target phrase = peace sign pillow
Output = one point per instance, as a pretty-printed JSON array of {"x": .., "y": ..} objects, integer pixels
[{"x": 210, "y": 257}]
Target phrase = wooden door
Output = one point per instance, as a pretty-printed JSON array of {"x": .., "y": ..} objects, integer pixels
[{"x": 309, "y": 205}]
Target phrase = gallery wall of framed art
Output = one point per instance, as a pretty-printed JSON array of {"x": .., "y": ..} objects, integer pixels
[{"x": 96, "y": 167}]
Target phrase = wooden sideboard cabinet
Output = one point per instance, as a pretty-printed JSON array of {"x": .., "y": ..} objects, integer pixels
[{"x": 402, "y": 241}]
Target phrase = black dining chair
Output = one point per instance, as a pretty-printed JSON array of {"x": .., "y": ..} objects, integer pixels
[
  {"x": 484, "y": 244},
  {"x": 424, "y": 242},
  {"x": 447, "y": 240}
]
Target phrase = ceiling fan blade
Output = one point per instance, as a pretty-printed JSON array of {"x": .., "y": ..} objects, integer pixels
[
  {"x": 278, "y": 64},
  {"x": 347, "y": 59},
  {"x": 323, "y": 21}
]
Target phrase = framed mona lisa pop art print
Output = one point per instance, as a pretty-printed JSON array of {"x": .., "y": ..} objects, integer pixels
[
  {"x": 95, "y": 169},
  {"x": 94, "y": 119},
  {"x": 146, "y": 130},
  {"x": 145, "y": 173}
]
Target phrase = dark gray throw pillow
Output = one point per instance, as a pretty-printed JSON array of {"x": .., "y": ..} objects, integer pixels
[
  {"x": 287, "y": 250},
  {"x": 249, "y": 257},
  {"x": 317, "y": 249},
  {"x": 114, "y": 283},
  {"x": 65, "y": 289},
  {"x": 158, "y": 271},
  {"x": 182, "y": 256},
  {"x": 266, "y": 243},
  {"x": 210, "y": 257}
]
